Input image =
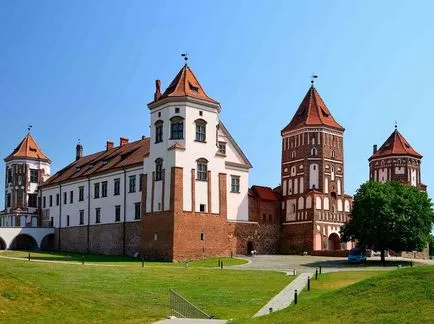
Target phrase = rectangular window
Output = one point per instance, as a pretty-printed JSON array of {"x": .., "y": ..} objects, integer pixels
[
  {"x": 202, "y": 207},
  {"x": 97, "y": 215},
  {"x": 80, "y": 193},
  {"x": 81, "y": 217},
  {"x": 57, "y": 199},
  {"x": 9, "y": 175},
  {"x": 52, "y": 222},
  {"x": 104, "y": 189},
  {"x": 202, "y": 171},
  {"x": 8, "y": 200},
  {"x": 202, "y": 236},
  {"x": 159, "y": 132},
  {"x": 235, "y": 184},
  {"x": 137, "y": 210},
  {"x": 65, "y": 198},
  {"x": 34, "y": 175},
  {"x": 117, "y": 213},
  {"x": 96, "y": 190},
  {"x": 117, "y": 187},
  {"x": 132, "y": 187},
  {"x": 222, "y": 147},
  {"x": 200, "y": 132},
  {"x": 177, "y": 129},
  {"x": 67, "y": 220},
  {"x": 140, "y": 182},
  {"x": 71, "y": 197},
  {"x": 33, "y": 200},
  {"x": 158, "y": 170},
  {"x": 44, "y": 200},
  {"x": 51, "y": 201}
]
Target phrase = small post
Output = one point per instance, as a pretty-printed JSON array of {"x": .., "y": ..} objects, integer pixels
[
  {"x": 270, "y": 310},
  {"x": 186, "y": 264},
  {"x": 143, "y": 262},
  {"x": 411, "y": 264},
  {"x": 221, "y": 265},
  {"x": 295, "y": 297},
  {"x": 316, "y": 274},
  {"x": 231, "y": 255},
  {"x": 82, "y": 259},
  {"x": 294, "y": 272},
  {"x": 320, "y": 269},
  {"x": 29, "y": 256},
  {"x": 308, "y": 283}
]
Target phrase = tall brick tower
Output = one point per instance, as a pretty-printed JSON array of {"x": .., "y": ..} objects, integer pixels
[
  {"x": 396, "y": 160},
  {"x": 314, "y": 205}
]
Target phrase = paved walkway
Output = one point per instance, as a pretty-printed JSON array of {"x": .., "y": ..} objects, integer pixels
[
  {"x": 190, "y": 321},
  {"x": 286, "y": 296}
]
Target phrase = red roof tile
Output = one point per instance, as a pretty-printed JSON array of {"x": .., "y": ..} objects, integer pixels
[
  {"x": 128, "y": 155},
  {"x": 28, "y": 149},
  {"x": 396, "y": 144},
  {"x": 185, "y": 84},
  {"x": 312, "y": 112},
  {"x": 266, "y": 193}
]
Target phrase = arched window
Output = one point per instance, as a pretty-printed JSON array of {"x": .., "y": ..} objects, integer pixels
[
  {"x": 332, "y": 173},
  {"x": 308, "y": 202},
  {"x": 158, "y": 169},
  {"x": 176, "y": 128},
  {"x": 293, "y": 209},
  {"x": 158, "y": 131},
  {"x": 202, "y": 169},
  {"x": 333, "y": 154},
  {"x": 200, "y": 130},
  {"x": 300, "y": 203},
  {"x": 313, "y": 151},
  {"x": 293, "y": 171}
]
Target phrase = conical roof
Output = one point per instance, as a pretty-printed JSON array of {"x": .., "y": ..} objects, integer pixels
[
  {"x": 185, "y": 84},
  {"x": 312, "y": 112},
  {"x": 28, "y": 149},
  {"x": 396, "y": 144}
]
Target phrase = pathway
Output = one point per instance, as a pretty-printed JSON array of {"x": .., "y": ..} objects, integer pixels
[{"x": 190, "y": 321}]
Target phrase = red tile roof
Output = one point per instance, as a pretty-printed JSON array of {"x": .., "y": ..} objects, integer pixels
[
  {"x": 128, "y": 155},
  {"x": 266, "y": 193},
  {"x": 312, "y": 112},
  {"x": 396, "y": 144},
  {"x": 185, "y": 84},
  {"x": 28, "y": 149}
]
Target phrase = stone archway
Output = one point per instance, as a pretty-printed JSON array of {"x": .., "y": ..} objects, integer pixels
[
  {"x": 334, "y": 242},
  {"x": 24, "y": 242},
  {"x": 2, "y": 244},
  {"x": 47, "y": 243}
]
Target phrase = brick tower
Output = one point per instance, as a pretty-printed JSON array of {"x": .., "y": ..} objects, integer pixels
[
  {"x": 314, "y": 205},
  {"x": 396, "y": 160}
]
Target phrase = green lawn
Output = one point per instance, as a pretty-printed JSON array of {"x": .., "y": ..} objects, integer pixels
[
  {"x": 59, "y": 292},
  {"x": 399, "y": 296}
]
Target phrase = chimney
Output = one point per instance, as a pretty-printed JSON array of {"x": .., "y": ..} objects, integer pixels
[
  {"x": 109, "y": 145},
  {"x": 123, "y": 141},
  {"x": 157, "y": 93},
  {"x": 374, "y": 148},
  {"x": 78, "y": 152}
]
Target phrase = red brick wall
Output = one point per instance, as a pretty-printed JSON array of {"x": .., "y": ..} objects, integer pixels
[{"x": 296, "y": 238}]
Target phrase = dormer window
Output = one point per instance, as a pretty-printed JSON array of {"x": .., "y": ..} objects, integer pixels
[
  {"x": 193, "y": 88},
  {"x": 176, "y": 128},
  {"x": 200, "y": 130},
  {"x": 158, "y": 131}
]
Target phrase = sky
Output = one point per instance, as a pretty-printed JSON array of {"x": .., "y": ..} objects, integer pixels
[{"x": 86, "y": 70}]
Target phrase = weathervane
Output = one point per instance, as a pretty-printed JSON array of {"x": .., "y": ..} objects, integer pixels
[
  {"x": 185, "y": 56},
  {"x": 396, "y": 125},
  {"x": 312, "y": 77},
  {"x": 29, "y": 127}
]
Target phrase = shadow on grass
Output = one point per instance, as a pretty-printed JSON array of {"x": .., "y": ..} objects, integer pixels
[{"x": 366, "y": 264}]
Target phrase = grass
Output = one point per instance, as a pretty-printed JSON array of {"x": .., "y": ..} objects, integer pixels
[
  {"x": 401, "y": 296},
  {"x": 114, "y": 260},
  {"x": 60, "y": 292}
]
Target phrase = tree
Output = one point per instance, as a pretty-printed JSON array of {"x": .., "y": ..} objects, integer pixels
[{"x": 390, "y": 215}]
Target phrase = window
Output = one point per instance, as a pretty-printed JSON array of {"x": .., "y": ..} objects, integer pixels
[
  {"x": 71, "y": 197},
  {"x": 117, "y": 213},
  {"x": 202, "y": 207},
  {"x": 140, "y": 182},
  {"x": 9, "y": 175},
  {"x": 200, "y": 113},
  {"x": 132, "y": 187},
  {"x": 313, "y": 152},
  {"x": 222, "y": 147},
  {"x": 51, "y": 201},
  {"x": 52, "y": 222},
  {"x": 104, "y": 189},
  {"x": 137, "y": 210},
  {"x": 57, "y": 199},
  {"x": 158, "y": 169},
  {"x": 33, "y": 200},
  {"x": 176, "y": 128},
  {"x": 96, "y": 190},
  {"x": 159, "y": 114},
  {"x": 43, "y": 202},
  {"x": 67, "y": 220},
  {"x": 34, "y": 175},
  {"x": 158, "y": 131},
  {"x": 97, "y": 215},
  {"x": 65, "y": 198},
  {"x": 200, "y": 130},
  {"x": 235, "y": 184},
  {"x": 117, "y": 187},
  {"x": 293, "y": 154},
  {"x": 176, "y": 110},
  {"x": 333, "y": 154},
  {"x": 80, "y": 193},
  {"x": 81, "y": 217},
  {"x": 202, "y": 236},
  {"x": 155, "y": 236},
  {"x": 202, "y": 169},
  {"x": 8, "y": 200}
]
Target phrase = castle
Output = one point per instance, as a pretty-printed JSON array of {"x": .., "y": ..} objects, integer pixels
[{"x": 183, "y": 192}]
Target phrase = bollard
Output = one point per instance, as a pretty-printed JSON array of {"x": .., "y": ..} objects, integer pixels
[
  {"x": 411, "y": 264},
  {"x": 295, "y": 297},
  {"x": 221, "y": 265},
  {"x": 231, "y": 254},
  {"x": 29, "y": 256},
  {"x": 186, "y": 264},
  {"x": 308, "y": 283},
  {"x": 316, "y": 274},
  {"x": 82, "y": 259},
  {"x": 320, "y": 269},
  {"x": 294, "y": 272},
  {"x": 143, "y": 262},
  {"x": 270, "y": 310}
]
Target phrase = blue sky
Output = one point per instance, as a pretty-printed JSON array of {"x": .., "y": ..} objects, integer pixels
[{"x": 86, "y": 69}]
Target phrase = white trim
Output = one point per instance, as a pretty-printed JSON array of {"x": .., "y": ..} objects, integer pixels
[
  {"x": 242, "y": 222},
  {"x": 299, "y": 160},
  {"x": 304, "y": 222},
  {"x": 335, "y": 161},
  {"x": 322, "y": 129},
  {"x": 329, "y": 223}
]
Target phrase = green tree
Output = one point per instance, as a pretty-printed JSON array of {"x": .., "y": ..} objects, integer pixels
[{"x": 390, "y": 215}]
